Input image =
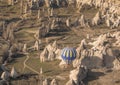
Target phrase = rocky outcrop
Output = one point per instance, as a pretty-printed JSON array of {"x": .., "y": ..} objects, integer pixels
[
  {"x": 14, "y": 73},
  {"x": 54, "y": 82},
  {"x": 78, "y": 74},
  {"x": 5, "y": 75}
]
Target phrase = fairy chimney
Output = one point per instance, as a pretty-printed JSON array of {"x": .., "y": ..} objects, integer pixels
[
  {"x": 41, "y": 70},
  {"x": 51, "y": 55},
  {"x": 10, "y": 2},
  {"x": 52, "y": 12},
  {"x": 82, "y": 21},
  {"x": 14, "y": 73},
  {"x": 78, "y": 74},
  {"x": 5, "y": 75},
  {"x": 47, "y": 3},
  {"x": 97, "y": 19},
  {"x": 44, "y": 55},
  {"x": 54, "y": 82},
  {"x": 88, "y": 36},
  {"x": 45, "y": 82},
  {"x": 36, "y": 45},
  {"x": 39, "y": 14},
  {"x": 81, "y": 47},
  {"x": 68, "y": 22},
  {"x": 24, "y": 48},
  {"x": 54, "y": 45}
]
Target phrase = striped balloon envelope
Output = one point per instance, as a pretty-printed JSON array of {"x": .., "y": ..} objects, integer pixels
[{"x": 68, "y": 54}]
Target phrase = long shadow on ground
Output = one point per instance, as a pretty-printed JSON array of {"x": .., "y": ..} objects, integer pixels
[{"x": 92, "y": 76}]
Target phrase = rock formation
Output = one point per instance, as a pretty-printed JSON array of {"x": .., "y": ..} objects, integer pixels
[
  {"x": 54, "y": 82},
  {"x": 14, "y": 73},
  {"x": 44, "y": 55},
  {"x": 5, "y": 75},
  {"x": 78, "y": 74}
]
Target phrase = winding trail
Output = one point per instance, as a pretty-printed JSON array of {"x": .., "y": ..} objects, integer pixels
[{"x": 26, "y": 66}]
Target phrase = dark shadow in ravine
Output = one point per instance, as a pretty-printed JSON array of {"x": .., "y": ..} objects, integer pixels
[
  {"x": 92, "y": 76},
  {"x": 57, "y": 32}
]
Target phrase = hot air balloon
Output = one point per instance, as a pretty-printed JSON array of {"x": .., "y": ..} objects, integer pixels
[{"x": 68, "y": 54}]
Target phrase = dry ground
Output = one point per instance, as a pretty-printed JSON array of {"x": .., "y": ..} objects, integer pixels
[{"x": 67, "y": 38}]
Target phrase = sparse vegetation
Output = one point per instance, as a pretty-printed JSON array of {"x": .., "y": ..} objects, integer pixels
[{"x": 26, "y": 26}]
